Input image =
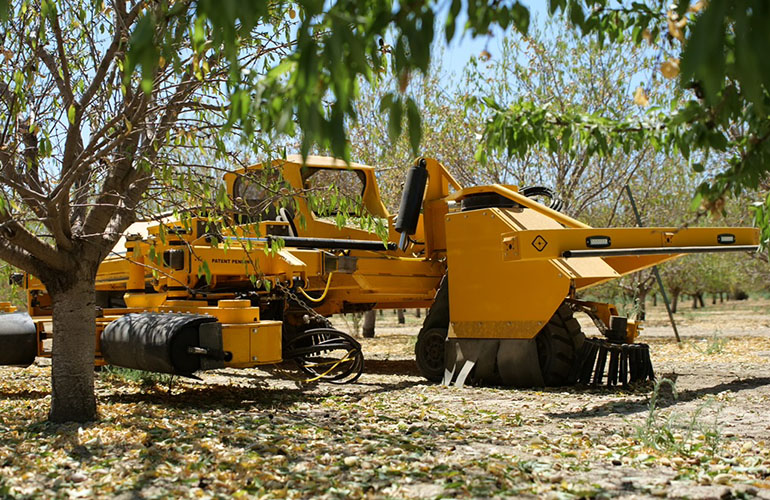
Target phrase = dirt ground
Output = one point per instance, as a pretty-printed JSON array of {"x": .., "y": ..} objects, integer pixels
[{"x": 257, "y": 434}]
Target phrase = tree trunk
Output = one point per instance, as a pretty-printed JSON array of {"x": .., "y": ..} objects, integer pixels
[
  {"x": 401, "y": 318},
  {"x": 417, "y": 313},
  {"x": 700, "y": 300},
  {"x": 367, "y": 330},
  {"x": 721, "y": 298},
  {"x": 655, "y": 300},
  {"x": 694, "y": 301},
  {"x": 74, "y": 343},
  {"x": 641, "y": 312},
  {"x": 674, "y": 301},
  {"x": 713, "y": 299}
]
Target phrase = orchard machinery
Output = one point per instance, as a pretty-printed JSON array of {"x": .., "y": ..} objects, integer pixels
[{"x": 499, "y": 270}]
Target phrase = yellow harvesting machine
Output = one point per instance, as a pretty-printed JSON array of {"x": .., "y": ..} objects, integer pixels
[{"x": 257, "y": 288}]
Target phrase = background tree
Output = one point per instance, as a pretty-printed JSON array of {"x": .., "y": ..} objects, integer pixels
[
  {"x": 553, "y": 69},
  {"x": 712, "y": 50}
]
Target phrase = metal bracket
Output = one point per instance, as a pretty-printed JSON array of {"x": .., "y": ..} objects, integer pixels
[{"x": 510, "y": 246}]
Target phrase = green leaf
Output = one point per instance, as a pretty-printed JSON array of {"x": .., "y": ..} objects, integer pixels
[
  {"x": 415, "y": 126},
  {"x": 703, "y": 59},
  {"x": 204, "y": 267},
  {"x": 71, "y": 114},
  {"x": 143, "y": 51},
  {"x": 394, "y": 124}
]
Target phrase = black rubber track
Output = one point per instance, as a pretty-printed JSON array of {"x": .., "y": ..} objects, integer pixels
[
  {"x": 558, "y": 346},
  {"x": 431, "y": 341}
]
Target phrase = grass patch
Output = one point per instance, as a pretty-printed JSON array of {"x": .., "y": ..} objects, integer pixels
[
  {"x": 714, "y": 344},
  {"x": 147, "y": 380},
  {"x": 676, "y": 435}
]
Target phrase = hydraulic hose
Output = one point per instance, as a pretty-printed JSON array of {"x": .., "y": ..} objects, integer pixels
[
  {"x": 323, "y": 295},
  {"x": 530, "y": 191}
]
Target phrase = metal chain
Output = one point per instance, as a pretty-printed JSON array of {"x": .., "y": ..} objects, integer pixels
[{"x": 293, "y": 296}]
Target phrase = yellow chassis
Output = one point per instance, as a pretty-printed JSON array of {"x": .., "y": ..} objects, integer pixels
[{"x": 511, "y": 268}]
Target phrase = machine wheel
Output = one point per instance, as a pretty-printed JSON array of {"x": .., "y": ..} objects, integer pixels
[
  {"x": 429, "y": 352},
  {"x": 558, "y": 345},
  {"x": 431, "y": 341}
]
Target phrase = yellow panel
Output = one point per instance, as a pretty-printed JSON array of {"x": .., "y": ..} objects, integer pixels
[
  {"x": 237, "y": 339},
  {"x": 494, "y": 329},
  {"x": 266, "y": 343},
  {"x": 589, "y": 267},
  {"x": 396, "y": 284},
  {"x": 522, "y": 219},
  {"x": 389, "y": 275},
  {"x": 522, "y": 200},
  {"x": 551, "y": 243},
  {"x": 484, "y": 288},
  {"x": 233, "y": 311},
  {"x": 252, "y": 344}
]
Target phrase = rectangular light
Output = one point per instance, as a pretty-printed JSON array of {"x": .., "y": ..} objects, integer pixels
[
  {"x": 598, "y": 241},
  {"x": 726, "y": 239}
]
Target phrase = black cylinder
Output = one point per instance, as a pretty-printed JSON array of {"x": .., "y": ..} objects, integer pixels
[
  {"x": 161, "y": 342},
  {"x": 331, "y": 243},
  {"x": 411, "y": 198},
  {"x": 18, "y": 339}
]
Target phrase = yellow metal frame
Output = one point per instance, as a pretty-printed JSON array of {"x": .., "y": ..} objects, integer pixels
[{"x": 507, "y": 270}]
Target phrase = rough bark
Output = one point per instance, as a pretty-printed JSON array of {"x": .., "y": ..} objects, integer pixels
[{"x": 74, "y": 342}]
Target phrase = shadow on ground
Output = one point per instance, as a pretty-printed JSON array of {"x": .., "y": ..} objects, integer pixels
[{"x": 666, "y": 400}]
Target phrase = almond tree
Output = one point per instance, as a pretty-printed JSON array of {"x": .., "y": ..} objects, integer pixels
[{"x": 84, "y": 139}]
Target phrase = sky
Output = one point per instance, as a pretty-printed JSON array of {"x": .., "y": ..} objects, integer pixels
[{"x": 463, "y": 46}]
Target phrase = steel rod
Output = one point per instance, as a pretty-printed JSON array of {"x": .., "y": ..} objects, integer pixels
[
  {"x": 655, "y": 270},
  {"x": 327, "y": 243},
  {"x": 617, "y": 252}
]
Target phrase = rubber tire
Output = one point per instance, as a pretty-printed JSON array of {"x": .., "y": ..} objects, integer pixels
[
  {"x": 431, "y": 341},
  {"x": 429, "y": 352},
  {"x": 558, "y": 346}
]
